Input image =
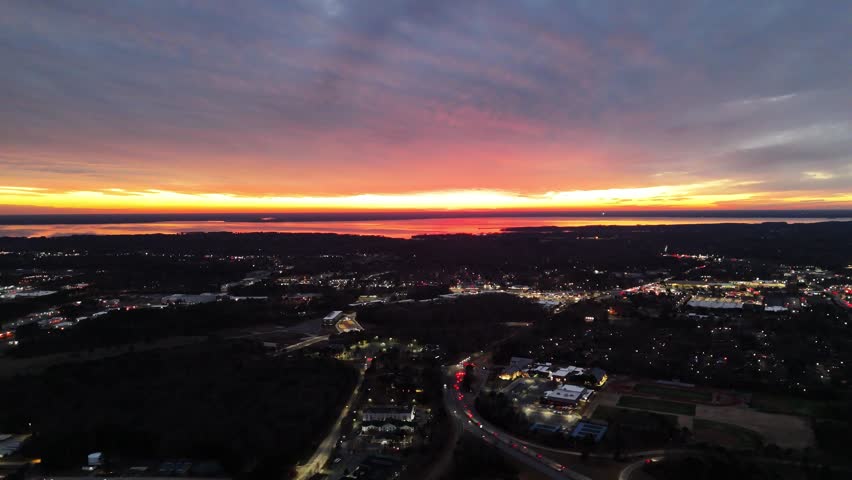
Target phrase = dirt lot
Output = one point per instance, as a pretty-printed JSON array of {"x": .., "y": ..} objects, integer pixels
[{"x": 786, "y": 431}]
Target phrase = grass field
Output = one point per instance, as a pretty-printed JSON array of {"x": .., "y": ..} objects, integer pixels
[
  {"x": 657, "y": 405},
  {"x": 623, "y": 415},
  {"x": 638, "y": 428},
  {"x": 674, "y": 393},
  {"x": 727, "y": 435},
  {"x": 795, "y": 406}
]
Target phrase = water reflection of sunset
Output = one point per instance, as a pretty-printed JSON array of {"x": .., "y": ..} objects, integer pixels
[{"x": 389, "y": 228}]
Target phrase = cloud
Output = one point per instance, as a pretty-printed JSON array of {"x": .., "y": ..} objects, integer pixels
[
  {"x": 319, "y": 98},
  {"x": 819, "y": 175}
]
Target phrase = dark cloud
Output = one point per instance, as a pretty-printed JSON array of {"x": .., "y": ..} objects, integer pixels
[{"x": 645, "y": 88}]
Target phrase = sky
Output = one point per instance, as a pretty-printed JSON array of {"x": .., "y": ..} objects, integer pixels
[{"x": 406, "y": 105}]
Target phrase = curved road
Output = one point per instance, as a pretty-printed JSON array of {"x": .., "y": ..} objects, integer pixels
[{"x": 460, "y": 405}]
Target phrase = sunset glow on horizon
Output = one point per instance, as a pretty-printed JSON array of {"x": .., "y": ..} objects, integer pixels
[
  {"x": 697, "y": 196},
  {"x": 318, "y": 106}
]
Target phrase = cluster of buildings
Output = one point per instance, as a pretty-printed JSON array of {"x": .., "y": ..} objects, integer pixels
[
  {"x": 389, "y": 425},
  {"x": 525, "y": 367},
  {"x": 575, "y": 385}
]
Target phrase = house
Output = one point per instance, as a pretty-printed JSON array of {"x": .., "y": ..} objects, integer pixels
[
  {"x": 598, "y": 375},
  {"x": 516, "y": 368}
]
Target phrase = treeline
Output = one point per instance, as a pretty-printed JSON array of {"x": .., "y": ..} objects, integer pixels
[
  {"x": 476, "y": 460},
  {"x": 463, "y": 324},
  {"x": 616, "y": 247},
  {"x": 122, "y": 327},
  {"x": 212, "y": 243},
  {"x": 228, "y": 402}
]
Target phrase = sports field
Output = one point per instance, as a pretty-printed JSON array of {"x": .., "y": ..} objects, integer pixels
[
  {"x": 665, "y": 406},
  {"x": 674, "y": 393}
]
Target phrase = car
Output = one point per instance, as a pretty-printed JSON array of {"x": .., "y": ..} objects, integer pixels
[
  {"x": 182, "y": 468},
  {"x": 167, "y": 468},
  {"x": 337, "y": 460}
]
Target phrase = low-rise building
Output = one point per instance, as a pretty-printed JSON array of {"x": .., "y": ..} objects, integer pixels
[
  {"x": 598, "y": 375},
  {"x": 388, "y": 426},
  {"x": 388, "y": 412},
  {"x": 332, "y": 318},
  {"x": 566, "y": 396},
  {"x": 517, "y": 367},
  {"x": 565, "y": 373}
]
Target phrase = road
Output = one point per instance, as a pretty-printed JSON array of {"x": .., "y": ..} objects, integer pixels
[
  {"x": 460, "y": 406},
  {"x": 306, "y": 343},
  {"x": 323, "y": 451},
  {"x": 629, "y": 469}
]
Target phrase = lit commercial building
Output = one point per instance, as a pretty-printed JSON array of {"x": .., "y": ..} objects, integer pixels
[
  {"x": 567, "y": 395},
  {"x": 517, "y": 367}
]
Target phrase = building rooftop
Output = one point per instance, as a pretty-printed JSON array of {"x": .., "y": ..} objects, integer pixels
[{"x": 389, "y": 409}]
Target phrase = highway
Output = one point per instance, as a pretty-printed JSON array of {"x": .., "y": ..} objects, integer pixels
[
  {"x": 323, "y": 451},
  {"x": 460, "y": 405}
]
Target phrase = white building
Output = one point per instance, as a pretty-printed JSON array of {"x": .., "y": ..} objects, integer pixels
[
  {"x": 388, "y": 412},
  {"x": 562, "y": 374},
  {"x": 567, "y": 395}
]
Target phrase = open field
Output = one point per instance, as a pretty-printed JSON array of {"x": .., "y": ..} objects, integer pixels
[
  {"x": 630, "y": 417},
  {"x": 727, "y": 435},
  {"x": 657, "y": 405},
  {"x": 636, "y": 429},
  {"x": 790, "y": 405},
  {"x": 674, "y": 393},
  {"x": 786, "y": 431}
]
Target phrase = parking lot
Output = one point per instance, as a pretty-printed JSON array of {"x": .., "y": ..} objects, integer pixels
[{"x": 526, "y": 393}]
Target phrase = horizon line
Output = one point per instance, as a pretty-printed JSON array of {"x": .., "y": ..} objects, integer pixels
[{"x": 318, "y": 216}]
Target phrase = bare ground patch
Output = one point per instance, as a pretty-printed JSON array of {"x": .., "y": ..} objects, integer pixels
[{"x": 786, "y": 431}]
